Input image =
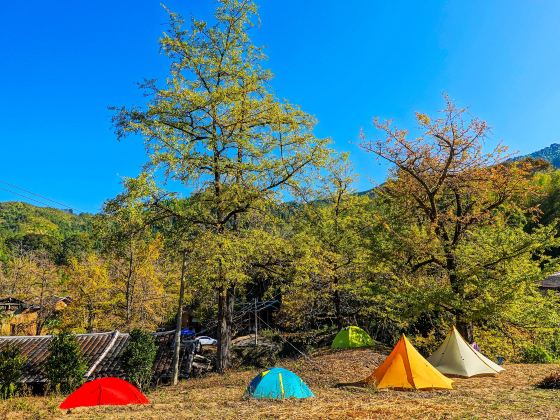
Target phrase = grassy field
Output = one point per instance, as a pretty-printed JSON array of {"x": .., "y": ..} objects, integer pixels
[{"x": 510, "y": 395}]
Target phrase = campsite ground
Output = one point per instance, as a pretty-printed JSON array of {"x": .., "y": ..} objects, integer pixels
[{"x": 510, "y": 395}]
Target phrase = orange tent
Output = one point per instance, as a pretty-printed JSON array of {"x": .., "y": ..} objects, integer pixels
[{"x": 405, "y": 368}]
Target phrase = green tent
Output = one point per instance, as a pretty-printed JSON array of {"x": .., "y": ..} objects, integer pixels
[{"x": 351, "y": 337}]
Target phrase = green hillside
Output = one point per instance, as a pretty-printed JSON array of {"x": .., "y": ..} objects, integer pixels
[
  {"x": 56, "y": 231},
  {"x": 62, "y": 232},
  {"x": 21, "y": 218}
]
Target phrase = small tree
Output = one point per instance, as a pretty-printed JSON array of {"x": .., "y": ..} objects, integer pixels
[
  {"x": 139, "y": 357},
  {"x": 332, "y": 240},
  {"x": 11, "y": 366},
  {"x": 65, "y": 367},
  {"x": 93, "y": 294}
]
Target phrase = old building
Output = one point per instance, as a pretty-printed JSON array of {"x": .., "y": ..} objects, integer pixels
[
  {"x": 26, "y": 318},
  {"x": 102, "y": 352}
]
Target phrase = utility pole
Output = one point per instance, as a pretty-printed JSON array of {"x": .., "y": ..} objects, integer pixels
[
  {"x": 256, "y": 325},
  {"x": 178, "y": 323}
]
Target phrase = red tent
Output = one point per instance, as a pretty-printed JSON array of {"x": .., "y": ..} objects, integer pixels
[{"x": 104, "y": 391}]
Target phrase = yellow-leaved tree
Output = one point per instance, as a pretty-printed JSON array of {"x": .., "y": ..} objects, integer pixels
[
  {"x": 93, "y": 295},
  {"x": 459, "y": 216}
]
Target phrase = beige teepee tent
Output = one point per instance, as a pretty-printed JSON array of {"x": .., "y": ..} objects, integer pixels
[{"x": 455, "y": 357}]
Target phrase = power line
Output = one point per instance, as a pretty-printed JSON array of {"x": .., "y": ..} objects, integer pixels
[
  {"x": 35, "y": 194},
  {"x": 59, "y": 203},
  {"x": 287, "y": 342},
  {"x": 24, "y": 196}
]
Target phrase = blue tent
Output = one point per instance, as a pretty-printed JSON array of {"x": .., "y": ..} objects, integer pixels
[{"x": 278, "y": 383}]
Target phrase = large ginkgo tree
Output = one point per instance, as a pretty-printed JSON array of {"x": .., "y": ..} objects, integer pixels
[{"x": 214, "y": 129}]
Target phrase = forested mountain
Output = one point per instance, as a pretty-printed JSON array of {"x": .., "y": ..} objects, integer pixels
[
  {"x": 17, "y": 218},
  {"x": 550, "y": 154},
  {"x": 20, "y": 221},
  {"x": 27, "y": 226}
]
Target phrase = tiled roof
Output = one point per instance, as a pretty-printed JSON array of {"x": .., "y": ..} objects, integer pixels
[
  {"x": 164, "y": 356},
  {"x": 551, "y": 282},
  {"x": 11, "y": 300},
  {"x": 102, "y": 352},
  {"x": 12, "y": 304}
]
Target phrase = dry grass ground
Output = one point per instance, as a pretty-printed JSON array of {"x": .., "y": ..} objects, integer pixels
[{"x": 511, "y": 395}]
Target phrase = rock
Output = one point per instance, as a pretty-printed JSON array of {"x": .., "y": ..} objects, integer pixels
[{"x": 245, "y": 353}]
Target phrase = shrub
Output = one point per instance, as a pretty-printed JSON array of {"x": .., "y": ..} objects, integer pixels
[
  {"x": 426, "y": 345},
  {"x": 536, "y": 354},
  {"x": 65, "y": 367},
  {"x": 138, "y": 358},
  {"x": 293, "y": 344},
  {"x": 11, "y": 367},
  {"x": 552, "y": 381}
]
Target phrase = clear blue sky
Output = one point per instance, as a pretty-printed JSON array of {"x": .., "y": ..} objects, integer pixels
[{"x": 64, "y": 62}]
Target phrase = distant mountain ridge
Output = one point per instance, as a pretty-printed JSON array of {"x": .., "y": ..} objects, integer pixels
[
  {"x": 550, "y": 154},
  {"x": 20, "y": 218},
  {"x": 59, "y": 233}
]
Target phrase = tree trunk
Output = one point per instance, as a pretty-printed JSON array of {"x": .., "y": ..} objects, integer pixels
[
  {"x": 465, "y": 328},
  {"x": 128, "y": 292},
  {"x": 41, "y": 312},
  {"x": 90, "y": 318},
  {"x": 337, "y": 305},
  {"x": 221, "y": 356},
  {"x": 178, "y": 324},
  {"x": 226, "y": 299}
]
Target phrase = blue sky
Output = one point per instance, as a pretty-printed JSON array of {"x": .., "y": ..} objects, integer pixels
[{"x": 64, "y": 62}]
